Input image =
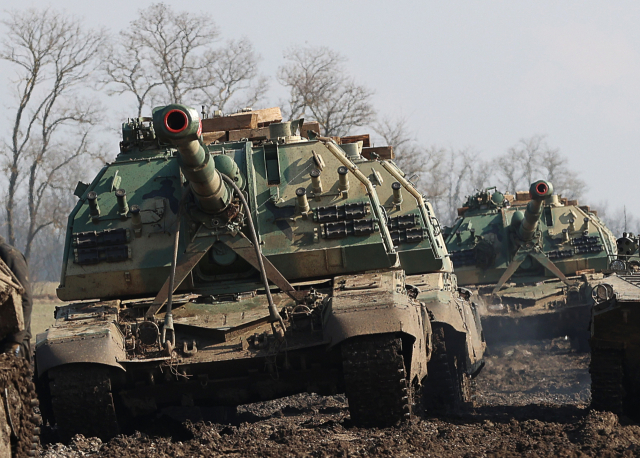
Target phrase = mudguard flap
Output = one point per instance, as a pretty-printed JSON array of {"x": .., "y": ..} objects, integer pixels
[
  {"x": 343, "y": 324},
  {"x": 449, "y": 308},
  {"x": 96, "y": 342},
  {"x": 377, "y": 303}
]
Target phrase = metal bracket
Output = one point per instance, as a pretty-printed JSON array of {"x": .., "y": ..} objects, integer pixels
[
  {"x": 520, "y": 256},
  {"x": 186, "y": 263},
  {"x": 244, "y": 248}
]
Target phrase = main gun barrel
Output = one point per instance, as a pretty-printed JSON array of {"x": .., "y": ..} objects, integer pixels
[
  {"x": 181, "y": 126},
  {"x": 538, "y": 191}
]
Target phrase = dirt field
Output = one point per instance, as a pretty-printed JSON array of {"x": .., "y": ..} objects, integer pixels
[{"x": 532, "y": 400}]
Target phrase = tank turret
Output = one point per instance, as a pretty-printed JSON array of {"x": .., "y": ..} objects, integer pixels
[{"x": 539, "y": 191}]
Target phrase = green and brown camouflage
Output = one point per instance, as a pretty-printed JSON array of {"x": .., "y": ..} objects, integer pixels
[
  {"x": 533, "y": 259},
  {"x": 353, "y": 254}
]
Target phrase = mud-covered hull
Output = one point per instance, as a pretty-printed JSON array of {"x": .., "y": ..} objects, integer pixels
[
  {"x": 545, "y": 310},
  {"x": 312, "y": 221},
  {"x": 226, "y": 353},
  {"x": 571, "y": 322}
]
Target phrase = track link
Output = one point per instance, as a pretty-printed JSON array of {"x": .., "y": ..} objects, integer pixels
[
  {"x": 82, "y": 402},
  {"x": 447, "y": 388},
  {"x": 607, "y": 380},
  {"x": 19, "y": 423},
  {"x": 376, "y": 382}
]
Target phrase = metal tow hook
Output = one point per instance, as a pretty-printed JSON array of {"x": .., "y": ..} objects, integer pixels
[{"x": 185, "y": 348}]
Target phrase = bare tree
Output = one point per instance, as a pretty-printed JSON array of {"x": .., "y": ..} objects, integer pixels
[
  {"x": 555, "y": 168},
  {"x": 124, "y": 66},
  {"x": 465, "y": 173},
  {"x": 320, "y": 89},
  {"x": 507, "y": 173},
  {"x": 169, "y": 56},
  {"x": 421, "y": 165},
  {"x": 443, "y": 175},
  {"x": 531, "y": 159},
  {"x": 53, "y": 57},
  {"x": 528, "y": 154},
  {"x": 408, "y": 155},
  {"x": 617, "y": 219},
  {"x": 235, "y": 74}
]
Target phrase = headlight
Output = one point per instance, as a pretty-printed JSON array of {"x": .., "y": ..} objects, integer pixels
[{"x": 617, "y": 265}]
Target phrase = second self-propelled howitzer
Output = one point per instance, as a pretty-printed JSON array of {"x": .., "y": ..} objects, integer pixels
[
  {"x": 237, "y": 259},
  {"x": 533, "y": 259}
]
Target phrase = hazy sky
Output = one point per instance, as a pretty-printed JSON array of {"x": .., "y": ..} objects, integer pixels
[{"x": 479, "y": 74}]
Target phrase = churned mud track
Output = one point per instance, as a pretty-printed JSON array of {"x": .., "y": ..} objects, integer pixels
[{"x": 532, "y": 400}]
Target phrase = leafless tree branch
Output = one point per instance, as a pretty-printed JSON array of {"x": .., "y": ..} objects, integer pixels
[
  {"x": 53, "y": 56},
  {"x": 170, "y": 56},
  {"x": 320, "y": 89}
]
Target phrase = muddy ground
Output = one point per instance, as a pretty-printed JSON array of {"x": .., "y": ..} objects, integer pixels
[{"x": 532, "y": 400}]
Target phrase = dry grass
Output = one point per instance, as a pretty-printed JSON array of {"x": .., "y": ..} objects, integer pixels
[{"x": 44, "y": 305}]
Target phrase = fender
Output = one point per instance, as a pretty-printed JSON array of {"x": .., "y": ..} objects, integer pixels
[
  {"x": 377, "y": 303},
  {"x": 83, "y": 333},
  {"x": 454, "y": 309}
]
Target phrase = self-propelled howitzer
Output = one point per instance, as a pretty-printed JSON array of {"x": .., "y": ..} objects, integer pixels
[
  {"x": 533, "y": 268},
  {"x": 171, "y": 245}
]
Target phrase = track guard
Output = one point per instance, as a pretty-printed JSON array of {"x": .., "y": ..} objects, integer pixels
[
  {"x": 377, "y": 303},
  {"x": 455, "y": 310},
  {"x": 100, "y": 343}
]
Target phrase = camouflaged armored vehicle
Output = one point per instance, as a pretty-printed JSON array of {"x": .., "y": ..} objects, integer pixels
[
  {"x": 230, "y": 260},
  {"x": 19, "y": 424},
  {"x": 628, "y": 255},
  {"x": 615, "y": 344},
  {"x": 532, "y": 258}
]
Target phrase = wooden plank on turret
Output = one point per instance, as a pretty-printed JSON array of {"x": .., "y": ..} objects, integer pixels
[
  {"x": 210, "y": 137},
  {"x": 261, "y": 133},
  {"x": 227, "y": 123},
  {"x": 366, "y": 143},
  {"x": 265, "y": 116},
  {"x": 309, "y": 126}
]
